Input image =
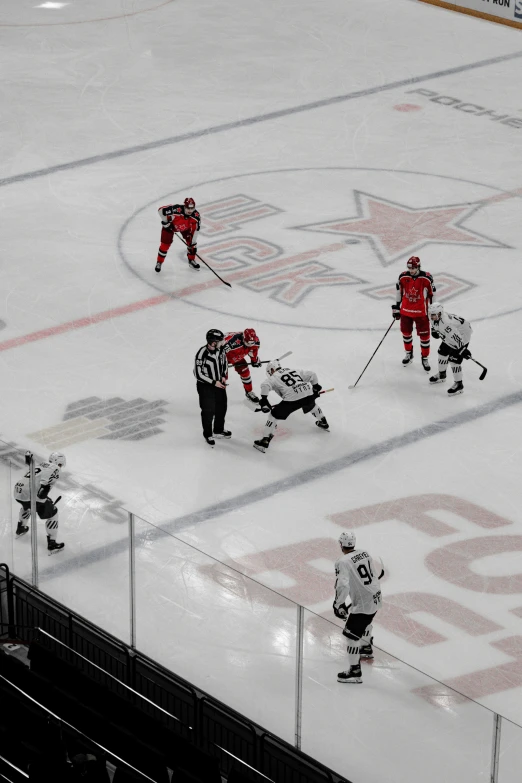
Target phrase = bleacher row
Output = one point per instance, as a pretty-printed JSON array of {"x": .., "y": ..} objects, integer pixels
[{"x": 114, "y": 705}]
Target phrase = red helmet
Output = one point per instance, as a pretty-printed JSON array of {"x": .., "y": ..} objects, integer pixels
[
  {"x": 250, "y": 337},
  {"x": 190, "y": 203},
  {"x": 413, "y": 262}
]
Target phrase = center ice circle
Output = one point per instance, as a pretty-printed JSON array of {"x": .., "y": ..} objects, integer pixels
[{"x": 321, "y": 248}]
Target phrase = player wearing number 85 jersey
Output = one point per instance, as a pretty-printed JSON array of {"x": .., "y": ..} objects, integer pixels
[
  {"x": 298, "y": 390},
  {"x": 357, "y": 577}
]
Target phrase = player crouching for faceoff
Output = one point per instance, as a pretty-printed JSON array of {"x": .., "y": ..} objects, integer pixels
[
  {"x": 238, "y": 346},
  {"x": 455, "y": 334},
  {"x": 46, "y": 474},
  {"x": 298, "y": 389},
  {"x": 357, "y": 577}
]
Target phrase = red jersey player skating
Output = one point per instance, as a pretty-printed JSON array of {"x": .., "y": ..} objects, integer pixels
[
  {"x": 185, "y": 219},
  {"x": 415, "y": 291},
  {"x": 238, "y": 346}
]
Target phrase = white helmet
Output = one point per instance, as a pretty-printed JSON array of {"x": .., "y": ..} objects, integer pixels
[
  {"x": 271, "y": 367},
  {"x": 58, "y": 458},
  {"x": 435, "y": 309},
  {"x": 347, "y": 540}
]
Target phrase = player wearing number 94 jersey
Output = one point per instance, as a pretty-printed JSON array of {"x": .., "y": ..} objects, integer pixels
[
  {"x": 357, "y": 577},
  {"x": 298, "y": 390}
]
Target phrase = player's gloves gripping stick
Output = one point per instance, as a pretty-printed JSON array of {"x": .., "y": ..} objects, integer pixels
[
  {"x": 265, "y": 405},
  {"x": 435, "y": 334},
  {"x": 255, "y": 363},
  {"x": 396, "y": 311},
  {"x": 464, "y": 353},
  {"x": 316, "y": 389},
  {"x": 340, "y": 611}
]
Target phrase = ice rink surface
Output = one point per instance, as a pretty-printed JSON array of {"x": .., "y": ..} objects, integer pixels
[{"x": 324, "y": 144}]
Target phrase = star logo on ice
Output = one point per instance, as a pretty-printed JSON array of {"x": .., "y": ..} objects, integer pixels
[{"x": 396, "y": 230}]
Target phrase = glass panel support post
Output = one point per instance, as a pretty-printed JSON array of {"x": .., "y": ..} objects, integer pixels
[{"x": 299, "y": 644}]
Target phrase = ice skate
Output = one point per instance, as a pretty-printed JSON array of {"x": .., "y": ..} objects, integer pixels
[
  {"x": 252, "y": 396},
  {"x": 53, "y": 546},
  {"x": 322, "y": 424},
  {"x": 225, "y": 434},
  {"x": 408, "y": 358},
  {"x": 353, "y": 674},
  {"x": 21, "y": 530},
  {"x": 158, "y": 267},
  {"x": 457, "y": 388},
  {"x": 426, "y": 363},
  {"x": 194, "y": 264},
  {"x": 263, "y": 443},
  {"x": 439, "y": 378},
  {"x": 210, "y": 441}
]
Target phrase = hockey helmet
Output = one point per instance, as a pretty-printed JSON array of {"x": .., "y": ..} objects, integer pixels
[
  {"x": 273, "y": 366},
  {"x": 214, "y": 336},
  {"x": 347, "y": 540},
  {"x": 414, "y": 262},
  {"x": 58, "y": 458},
  {"x": 189, "y": 203},
  {"x": 435, "y": 311},
  {"x": 250, "y": 337}
]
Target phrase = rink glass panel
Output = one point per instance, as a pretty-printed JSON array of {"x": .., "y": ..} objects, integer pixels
[
  {"x": 91, "y": 575},
  {"x": 10, "y": 553},
  {"x": 416, "y": 740},
  {"x": 510, "y": 759},
  {"x": 210, "y": 624}
]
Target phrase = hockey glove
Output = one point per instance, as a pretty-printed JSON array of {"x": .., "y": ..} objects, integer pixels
[
  {"x": 435, "y": 334},
  {"x": 316, "y": 388},
  {"x": 340, "y": 611},
  {"x": 464, "y": 353},
  {"x": 192, "y": 250},
  {"x": 396, "y": 311},
  {"x": 265, "y": 405},
  {"x": 255, "y": 363}
]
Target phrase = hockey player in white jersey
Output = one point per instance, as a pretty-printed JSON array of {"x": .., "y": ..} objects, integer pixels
[
  {"x": 298, "y": 390},
  {"x": 46, "y": 475},
  {"x": 455, "y": 334},
  {"x": 357, "y": 578}
]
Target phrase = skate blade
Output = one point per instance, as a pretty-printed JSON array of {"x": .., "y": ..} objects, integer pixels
[
  {"x": 259, "y": 448},
  {"x": 454, "y": 394},
  {"x": 55, "y": 551},
  {"x": 351, "y": 681}
]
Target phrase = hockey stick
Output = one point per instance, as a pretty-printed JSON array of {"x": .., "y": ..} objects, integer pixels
[
  {"x": 484, "y": 369},
  {"x": 371, "y": 357},
  {"x": 203, "y": 260},
  {"x": 267, "y": 361}
]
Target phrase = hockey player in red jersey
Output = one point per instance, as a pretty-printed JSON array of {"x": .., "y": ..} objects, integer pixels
[
  {"x": 238, "y": 346},
  {"x": 185, "y": 219},
  {"x": 415, "y": 291}
]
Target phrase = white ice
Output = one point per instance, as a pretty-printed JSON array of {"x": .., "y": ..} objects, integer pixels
[{"x": 111, "y": 109}]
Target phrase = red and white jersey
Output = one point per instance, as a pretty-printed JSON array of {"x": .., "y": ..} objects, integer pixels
[
  {"x": 414, "y": 294},
  {"x": 236, "y": 350},
  {"x": 174, "y": 214}
]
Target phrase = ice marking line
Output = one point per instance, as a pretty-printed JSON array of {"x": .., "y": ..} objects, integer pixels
[
  {"x": 116, "y": 312},
  {"x": 90, "y": 21},
  {"x": 274, "y": 115},
  {"x": 171, "y": 527}
]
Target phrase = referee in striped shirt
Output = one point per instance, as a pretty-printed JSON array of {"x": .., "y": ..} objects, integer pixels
[{"x": 211, "y": 371}]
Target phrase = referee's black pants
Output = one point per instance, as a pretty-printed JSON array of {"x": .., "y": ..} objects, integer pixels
[{"x": 213, "y": 404}]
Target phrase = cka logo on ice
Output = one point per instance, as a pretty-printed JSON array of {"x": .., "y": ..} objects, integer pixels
[{"x": 320, "y": 248}]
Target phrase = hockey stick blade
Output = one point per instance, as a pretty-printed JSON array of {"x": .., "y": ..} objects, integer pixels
[
  {"x": 483, "y": 374},
  {"x": 204, "y": 262}
]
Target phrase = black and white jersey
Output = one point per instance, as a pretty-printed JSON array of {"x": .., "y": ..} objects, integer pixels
[
  {"x": 453, "y": 330},
  {"x": 357, "y": 577},
  {"x": 289, "y": 384},
  {"x": 210, "y": 366}
]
